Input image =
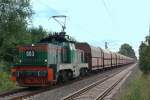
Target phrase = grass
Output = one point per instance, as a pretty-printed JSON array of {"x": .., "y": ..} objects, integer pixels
[
  {"x": 5, "y": 83},
  {"x": 139, "y": 89}
]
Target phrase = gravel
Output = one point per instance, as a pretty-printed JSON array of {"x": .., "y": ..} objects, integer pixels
[{"x": 127, "y": 83}]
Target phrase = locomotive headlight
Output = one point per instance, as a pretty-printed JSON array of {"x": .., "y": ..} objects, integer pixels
[
  {"x": 32, "y": 44},
  {"x": 45, "y": 60},
  {"x": 20, "y": 60}
]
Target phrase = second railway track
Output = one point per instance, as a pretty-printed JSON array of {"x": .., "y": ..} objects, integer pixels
[{"x": 100, "y": 89}]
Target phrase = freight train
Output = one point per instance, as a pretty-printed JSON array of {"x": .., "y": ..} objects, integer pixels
[{"x": 58, "y": 58}]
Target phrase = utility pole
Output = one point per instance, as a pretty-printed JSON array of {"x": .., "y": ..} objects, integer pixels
[
  {"x": 149, "y": 36},
  {"x": 106, "y": 45}
]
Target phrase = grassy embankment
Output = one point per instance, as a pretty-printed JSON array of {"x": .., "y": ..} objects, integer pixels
[
  {"x": 139, "y": 88},
  {"x": 5, "y": 83}
]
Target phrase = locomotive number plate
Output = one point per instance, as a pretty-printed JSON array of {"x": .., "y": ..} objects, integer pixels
[{"x": 30, "y": 53}]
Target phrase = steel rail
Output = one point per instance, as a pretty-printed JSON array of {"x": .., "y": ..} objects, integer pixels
[{"x": 82, "y": 91}]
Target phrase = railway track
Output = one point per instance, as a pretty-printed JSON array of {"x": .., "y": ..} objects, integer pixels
[
  {"x": 100, "y": 89},
  {"x": 12, "y": 92},
  {"x": 19, "y": 94}
]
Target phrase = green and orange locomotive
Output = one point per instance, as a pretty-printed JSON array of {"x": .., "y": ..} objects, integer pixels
[
  {"x": 58, "y": 58},
  {"x": 53, "y": 59}
]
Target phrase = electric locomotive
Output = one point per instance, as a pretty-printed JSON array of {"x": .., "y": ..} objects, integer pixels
[{"x": 51, "y": 60}]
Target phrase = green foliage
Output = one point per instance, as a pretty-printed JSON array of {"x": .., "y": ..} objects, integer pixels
[
  {"x": 5, "y": 82},
  {"x": 127, "y": 50},
  {"x": 37, "y": 33},
  {"x": 138, "y": 90},
  {"x": 144, "y": 58},
  {"x": 4, "y": 66},
  {"x": 14, "y": 17}
]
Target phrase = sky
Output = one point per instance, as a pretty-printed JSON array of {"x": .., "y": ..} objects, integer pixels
[{"x": 97, "y": 21}]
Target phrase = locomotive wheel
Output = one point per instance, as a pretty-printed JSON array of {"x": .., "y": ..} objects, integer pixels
[
  {"x": 62, "y": 77},
  {"x": 69, "y": 75}
]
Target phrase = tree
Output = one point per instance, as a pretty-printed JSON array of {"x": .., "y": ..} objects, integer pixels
[
  {"x": 37, "y": 33},
  {"x": 144, "y": 57},
  {"x": 127, "y": 50},
  {"x": 14, "y": 18}
]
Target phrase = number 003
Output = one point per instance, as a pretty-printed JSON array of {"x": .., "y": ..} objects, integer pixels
[{"x": 30, "y": 53}]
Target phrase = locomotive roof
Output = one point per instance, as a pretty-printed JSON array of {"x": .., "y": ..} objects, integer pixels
[{"x": 57, "y": 37}]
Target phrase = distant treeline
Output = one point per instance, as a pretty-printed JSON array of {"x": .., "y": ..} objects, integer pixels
[{"x": 127, "y": 50}]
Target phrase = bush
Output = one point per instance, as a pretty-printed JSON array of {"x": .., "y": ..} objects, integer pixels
[
  {"x": 138, "y": 90},
  {"x": 5, "y": 66},
  {"x": 5, "y": 82}
]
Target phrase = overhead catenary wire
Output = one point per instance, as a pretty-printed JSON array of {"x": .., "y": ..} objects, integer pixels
[{"x": 107, "y": 5}]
